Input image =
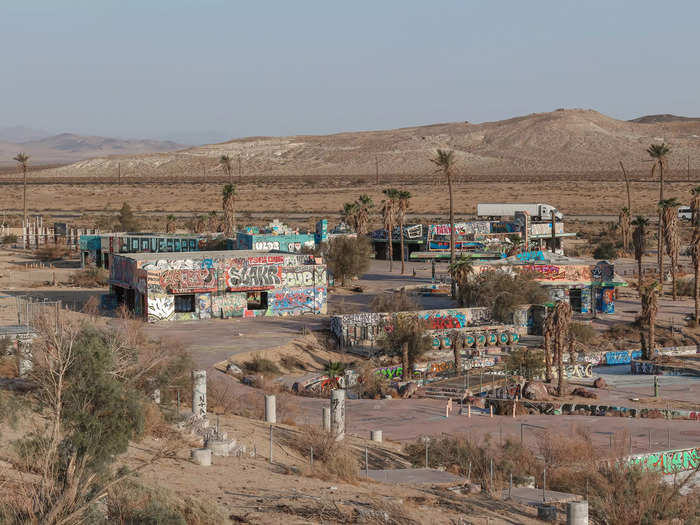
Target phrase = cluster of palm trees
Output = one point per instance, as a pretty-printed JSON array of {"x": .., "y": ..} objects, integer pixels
[{"x": 357, "y": 214}]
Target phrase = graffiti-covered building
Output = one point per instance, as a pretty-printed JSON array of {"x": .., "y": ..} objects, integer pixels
[
  {"x": 580, "y": 283},
  {"x": 221, "y": 284},
  {"x": 96, "y": 249}
]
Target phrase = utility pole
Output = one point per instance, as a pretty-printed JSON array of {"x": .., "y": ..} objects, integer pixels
[
  {"x": 627, "y": 183},
  {"x": 240, "y": 175},
  {"x": 376, "y": 167},
  {"x": 119, "y": 173}
]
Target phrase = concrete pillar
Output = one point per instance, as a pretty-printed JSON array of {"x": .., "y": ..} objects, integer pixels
[
  {"x": 199, "y": 393},
  {"x": 338, "y": 413},
  {"x": 375, "y": 435},
  {"x": 201, "y": 456},
  {"x": 270, "y": 409},
  {"x": 577, "y": 513},
  {"x": 326, "y": 419},
  {"x": 24, "y": 358}
]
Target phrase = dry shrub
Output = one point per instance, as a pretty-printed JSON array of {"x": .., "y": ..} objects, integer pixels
[
  {"x": 90, "y": 278},
  {"x": 558, "y": 449},
  {"x": 685, "y": 287},
  {"x": 51, "y": 252},
  {"x": 374, "y": 385},
  {"x": 394, "y": 302},
  {"x": 154, "y": 424},
  {"x": 291, "y": 362},
  {"x": 8, "y": 366},
  {"x": 260, "y": 365},
  {"x": 132, "y": 502},
  {"x": 332, "y": 459}
]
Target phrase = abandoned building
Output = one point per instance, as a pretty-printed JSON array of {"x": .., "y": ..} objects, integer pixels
[
  {"x": 221, "y": 284},
  {"x": 575, "y": 281},
  {"x": 96, "y": 249}
]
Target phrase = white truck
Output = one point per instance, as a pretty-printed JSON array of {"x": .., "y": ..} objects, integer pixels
[{"x": 499, "y": 210}]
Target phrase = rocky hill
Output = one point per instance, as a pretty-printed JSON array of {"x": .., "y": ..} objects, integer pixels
[{"x": 562, "y": 141}]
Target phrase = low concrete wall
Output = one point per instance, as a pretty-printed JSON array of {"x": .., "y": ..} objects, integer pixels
[{"x": 667, "y": 461}]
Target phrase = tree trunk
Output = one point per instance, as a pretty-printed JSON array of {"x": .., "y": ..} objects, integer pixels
[
  {"x": 548, "y": 357},
  {"x": 560, "y": 364},
  {"x": 639, "y": 277},
  {"x": 660, "y": 243},
  {"x": 651, "y": 342},
  {"x": 673, "y": 280},
  {"x": 404, "y": 362},
  {"x": 24, "y": 170},
  {"x": 697, "y": 288},
  {"x": 403, "y": 269},
  {"x": 453, "y": 287},
  {"x": 390, "y": 240},
  {"x": 457, "y": 350}
]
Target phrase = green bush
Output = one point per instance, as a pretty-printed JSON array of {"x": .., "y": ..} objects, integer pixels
[
  {"x": 348, "y": 257},
  {"x": 605, "y": 250},
  {"x": 686, "y": 287},
  {"x": 527, "y": 360},
  {"x": 260, "y": 365},
  {"x": 583, "y": 333}
]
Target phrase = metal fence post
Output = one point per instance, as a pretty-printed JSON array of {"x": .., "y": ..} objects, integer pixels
[
  {"x": 366, "y": 463},
  {"x": 544, "y": 483},
  {"x": 270, "y": 443},
  {"x": 312, "y": 456}
]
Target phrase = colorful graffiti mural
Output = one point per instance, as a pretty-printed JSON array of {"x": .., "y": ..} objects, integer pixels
[{"x": 668, "y": 461}]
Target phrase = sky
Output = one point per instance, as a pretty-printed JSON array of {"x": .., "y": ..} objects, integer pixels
[{"x": 210, "y": 70}]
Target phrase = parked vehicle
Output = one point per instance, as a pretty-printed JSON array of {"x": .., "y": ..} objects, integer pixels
[
  {"x": 685, "y": 214},
  {"x": 538, "y": 211}
]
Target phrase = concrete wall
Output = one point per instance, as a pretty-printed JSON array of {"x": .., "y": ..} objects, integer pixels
[
  {"x": 269, "y": 241},
  {"x": 366, "y": 329},
  {"x": 667, "y": 461},
  {"x": 293, "y": 285}
]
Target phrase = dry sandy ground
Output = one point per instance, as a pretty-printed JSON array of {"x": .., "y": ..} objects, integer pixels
[{"x": 318, "y": 197}]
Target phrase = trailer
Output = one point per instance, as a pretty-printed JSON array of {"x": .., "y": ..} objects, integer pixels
[{"x": 498, "y": 210}]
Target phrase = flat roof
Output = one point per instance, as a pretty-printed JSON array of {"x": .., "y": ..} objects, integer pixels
[{"x": 176, "y": 256}]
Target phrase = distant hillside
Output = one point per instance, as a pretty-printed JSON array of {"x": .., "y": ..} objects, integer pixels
[
  {"x": 655, "y": 119},
  {"x": 69, "y": 147},
  {"x": 564, "y": 141}
]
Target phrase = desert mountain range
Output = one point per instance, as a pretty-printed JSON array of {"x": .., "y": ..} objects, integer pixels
[
  {"x": 64, "y": 148},
  {"x": 562, "y": 141}
]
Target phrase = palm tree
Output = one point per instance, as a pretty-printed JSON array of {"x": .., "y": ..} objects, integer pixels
[
  {"x": 648, "y": 317},
  {"x": 365, "y": 206},
  {"x": 445, "y": 161},
  {"x": 226, "y": 162},
  {"x": 639, "y": 239},
  {"x": 624, "y": 224},
  {"x": 229, "y": 207},
  {"x": 349, "y": 214},
  {"x": 695, "y": 205},
  {"x": 401, "y": 207},
  {"x": 211, "y": 221},
  {"x": 658, "y": 153},
  {"x": 562, "y": 329},
  {"x": 22, "y": 160},
  {"x": 334, "y": 370},
  {"x": 169, "y": 220},
  {"x": 457, "y": 339},
  {"x": 695, "y": 252},
  {"x": 460, "y": 270},
  {"x": 669, "y": 212},
  {"x": 388, "y": 213},
  {"x": 548, "y": 331}
]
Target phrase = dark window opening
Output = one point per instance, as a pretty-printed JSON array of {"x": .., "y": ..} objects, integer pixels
[
  {"x": 184, "y": 303},
  {"x": 257, "y": 300},
  {"x": 575, "y": 299}
]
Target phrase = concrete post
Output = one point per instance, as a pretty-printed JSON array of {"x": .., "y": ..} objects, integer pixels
[
  {"x": 201, "y": 456},
  {"x": 577, "y": 513},
  {"x": 375, "y": 435},
  {"x": 326, "y": 419},
  {"x": 270, "y": 409},
  {"x": 24, "y": 358},
  {"x": 199, "y": 393},
  {"x": 338, "y": 413}
]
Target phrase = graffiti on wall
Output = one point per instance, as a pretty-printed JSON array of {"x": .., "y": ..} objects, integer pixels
[
  {"x": 303, "y": 276},
  {"x": 160, "y": 307},
  {"x": 122, "y": 270},
  {"x": 669, "y": 461},
  {"x": 298, "y": 301},
  {"x": 228, "y": 305},
  {"x": 461, "y": 228},
  {"x": 253, "y": 277},
  {"x": 183, "y": 281},
  {"x": 623, "y": 357}
]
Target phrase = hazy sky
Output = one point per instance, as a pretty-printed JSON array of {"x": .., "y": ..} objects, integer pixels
[{"x": 205, "y": 70}]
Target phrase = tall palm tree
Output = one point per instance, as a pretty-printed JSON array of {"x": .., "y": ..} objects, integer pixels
[
  {"x": 695, "y": 205},
  {"x": 649, "y": 309},
  {"x": 388, "y": 214},
  {"x": 403, "y": 197},
  {"x": 229, "y": 207},
  {"x": 460, "y": 270},
  {"x": 562, "y": 328},
  {"x": 548, "y": 330},
  {"x": 169, "y": 220},
  {"x": 22, "y": 160},
  {"x": 445, "y": 162},
  {"x": 226, "y": 162},
  {"x": 211, "y": 221},
  {"x": 658, "y": 153},
  {"x": 695, "y": 252},
  {"x": 669, "y": 211},
  {"x": 639, "y": 240},
  {"x": 625, "y": 227},
  {"x": 365, "y": 204}
]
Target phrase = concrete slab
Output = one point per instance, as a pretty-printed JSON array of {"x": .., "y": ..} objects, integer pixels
[
  {"x": 414, "y": 476},
  {"x": 528, "y": 496}
]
